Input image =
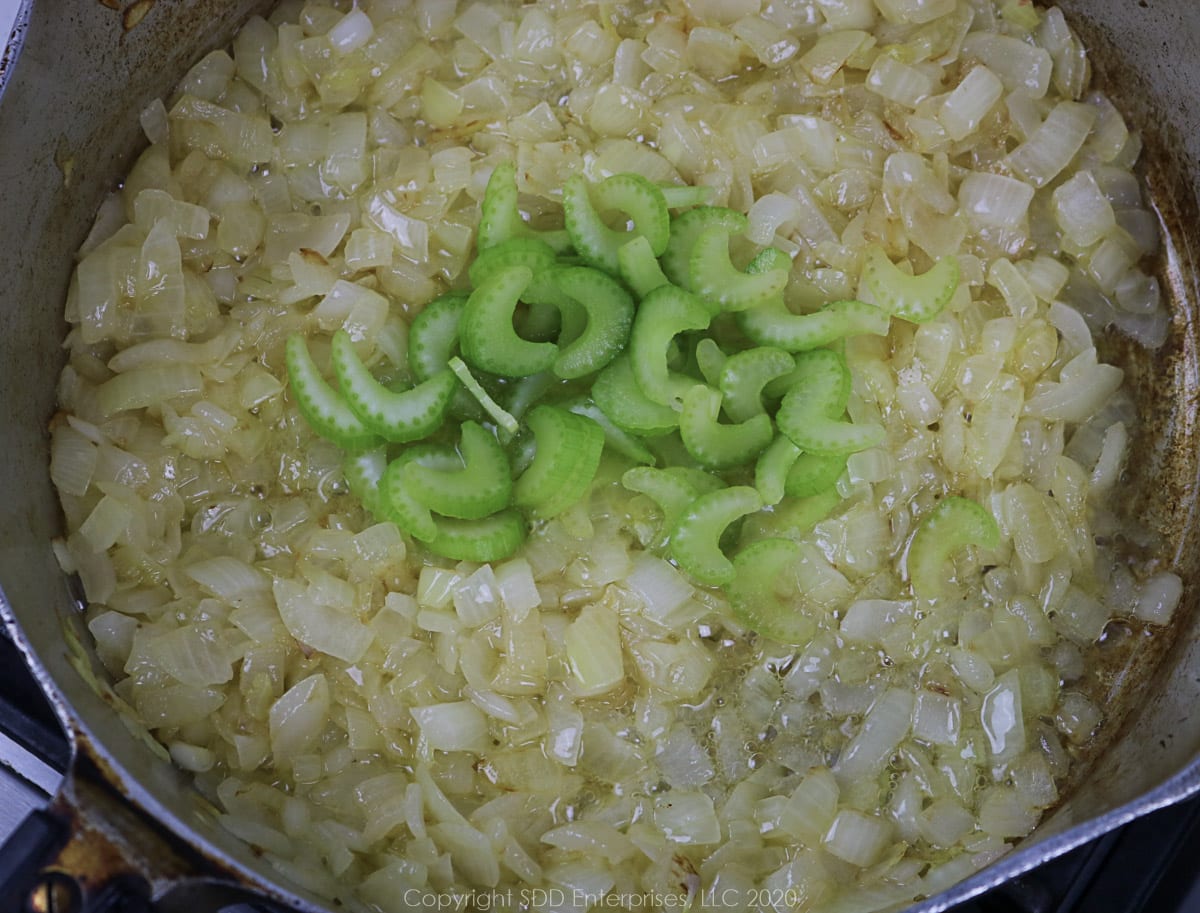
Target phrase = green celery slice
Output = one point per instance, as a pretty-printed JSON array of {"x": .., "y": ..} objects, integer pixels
[
  {"x": 492, "y": 538},
  {"x": 676, "y": 260},
  {"x": 714, "y": 444},
  {"x": 664, "y": 313},
  {"x": 813, "y": 473},
  {"x": 771, "y": 470},
  {"x": 744, "y": 376},
  {"x": 608, "y": 310},
  {"x": 915, "y": 298},
  {"x": 696, "y": 539},
  {"x": 630, "y": 194},
  {"x": 487, "y": 337},
  {"x": 617, "y": 393},
  {"x": 639, "y": 267},
  {"x": 326, "y": 412},
  {"x": 478, "y": 486},
  {"x": 951, "y": 526},
  {"x": 363, "y": 473},
  {"x": 530, "y": 252},
  {"x": 564, "y": 463},
  {"x": 765, "y": 594},
  {"x": 620, "y": 441},
  {"x": 717, "y": 281},
  {"x": 772, "y": 324},
  {"x": 500, "y": 216},
  {"x": 399, "y": 417},
  {"x": 810, "y": 412}
]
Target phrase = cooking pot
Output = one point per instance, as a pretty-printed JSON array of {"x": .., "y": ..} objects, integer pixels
[{"x": 72, "y": 82}]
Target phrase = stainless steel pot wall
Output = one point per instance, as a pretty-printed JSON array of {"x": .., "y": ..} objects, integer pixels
[{"x": 73, "y": 82}]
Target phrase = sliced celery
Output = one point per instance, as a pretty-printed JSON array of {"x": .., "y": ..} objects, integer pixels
[
  {"x": 671, "y": 492},
  {"x": 713, "y": 443},
  {"x": 771, "y": 470},
  {"x": 630, "y": 194},
  {"x": 564, "y": 463},
  {"x": 433, "y": 336},
  {"x": 486, "y": 332},
  {"x": 322, "y": 407},
  {"x": 772, "y": 324},
  {"x": 397, "y": 502},
  {"x": 810, "y": 412},
  {"x": 363, "y": 473},
  {"x": 608, "y": 310},
  {"x": 639, "y": 267},
  {"x": 721, "y": 284},
  {"x": 765, "y": 594},
  {"x": 617, "y": 393},
  {"x": 403, "y": 416},
  {"x": 696, "y": 540},
  {"x": 619, "y": 440},
  {"x": 500, "y": 216},
  {"x": 664, "y": 313},
  {"x": 492, "y": 538},
  {"x": 744, "y": 376},
  {"x": 676, "y": 260},
  {"x": 951, "y": 526},
  {"x": 915, "y": 298},
  {"x": 530, "y": 252},
  {"x": 814, "y": 473},
  {"x": 479, "y": 485}
]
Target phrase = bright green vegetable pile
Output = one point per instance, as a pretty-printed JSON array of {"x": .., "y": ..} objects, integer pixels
[{"x": 647, "y": 338}]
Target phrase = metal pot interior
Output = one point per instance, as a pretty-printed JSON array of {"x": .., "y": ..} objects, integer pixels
[{"x": 69, "y": 123}]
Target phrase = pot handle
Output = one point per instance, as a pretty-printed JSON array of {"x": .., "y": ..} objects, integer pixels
[{"x": 90, "y": 851}]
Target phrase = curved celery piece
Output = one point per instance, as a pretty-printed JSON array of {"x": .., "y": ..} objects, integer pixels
[
  {"x": 814, "y": 473},
  {"x": 771, "y": 470},
  {"x": 664, "y": 313},
  {"x": 398, "y": 417},
  {"x": 617, "y": 393},
  {"x": 953, "y": 525},
  {"x": 396, "y": 500},
  {"x": 564, "y": 463},
  {"x": 486, "y": 333},
  {"x": 638, "y": 266},
  {"x": 710, "y": 360},
  {"x": 915, "y": 298},
  {"x": 433, "y": 335},
  {"x": 492, "y": 538},
  {"x": 744, "y": 376},
  {"x": 676, "y": 260},
  {"x": 680, "y": 195},
  {"x": 363, "y": 473},
  {"x": 630, "y": 194},
  {"x": 530, "y": 252},
  {"x": 326, "y": 412},
  {"x": 791, "y": 518},
  {"x": 433, "y": 341},
  {"x": 810, "y": 412},
  {"x": 702, "y": 481},
  {"x": 772, "y": 324},
  {"x": 479, "y": 485},
  {"x": 765, "y": 593},
  {"x": 475, "y": 389},
  {"x": 718, "y": 445},
  {"x": 619, "y": 440},
  {"x": 671, "y": 492},
  {"x": 609, "y": 317},
  {"x": 500, "y": 218},
  {"x": 716, "y": 280},
  {"x": 696, "y": 539}
]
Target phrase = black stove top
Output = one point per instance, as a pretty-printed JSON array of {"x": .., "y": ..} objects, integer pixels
[{"x": 1151, "y": 865}]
